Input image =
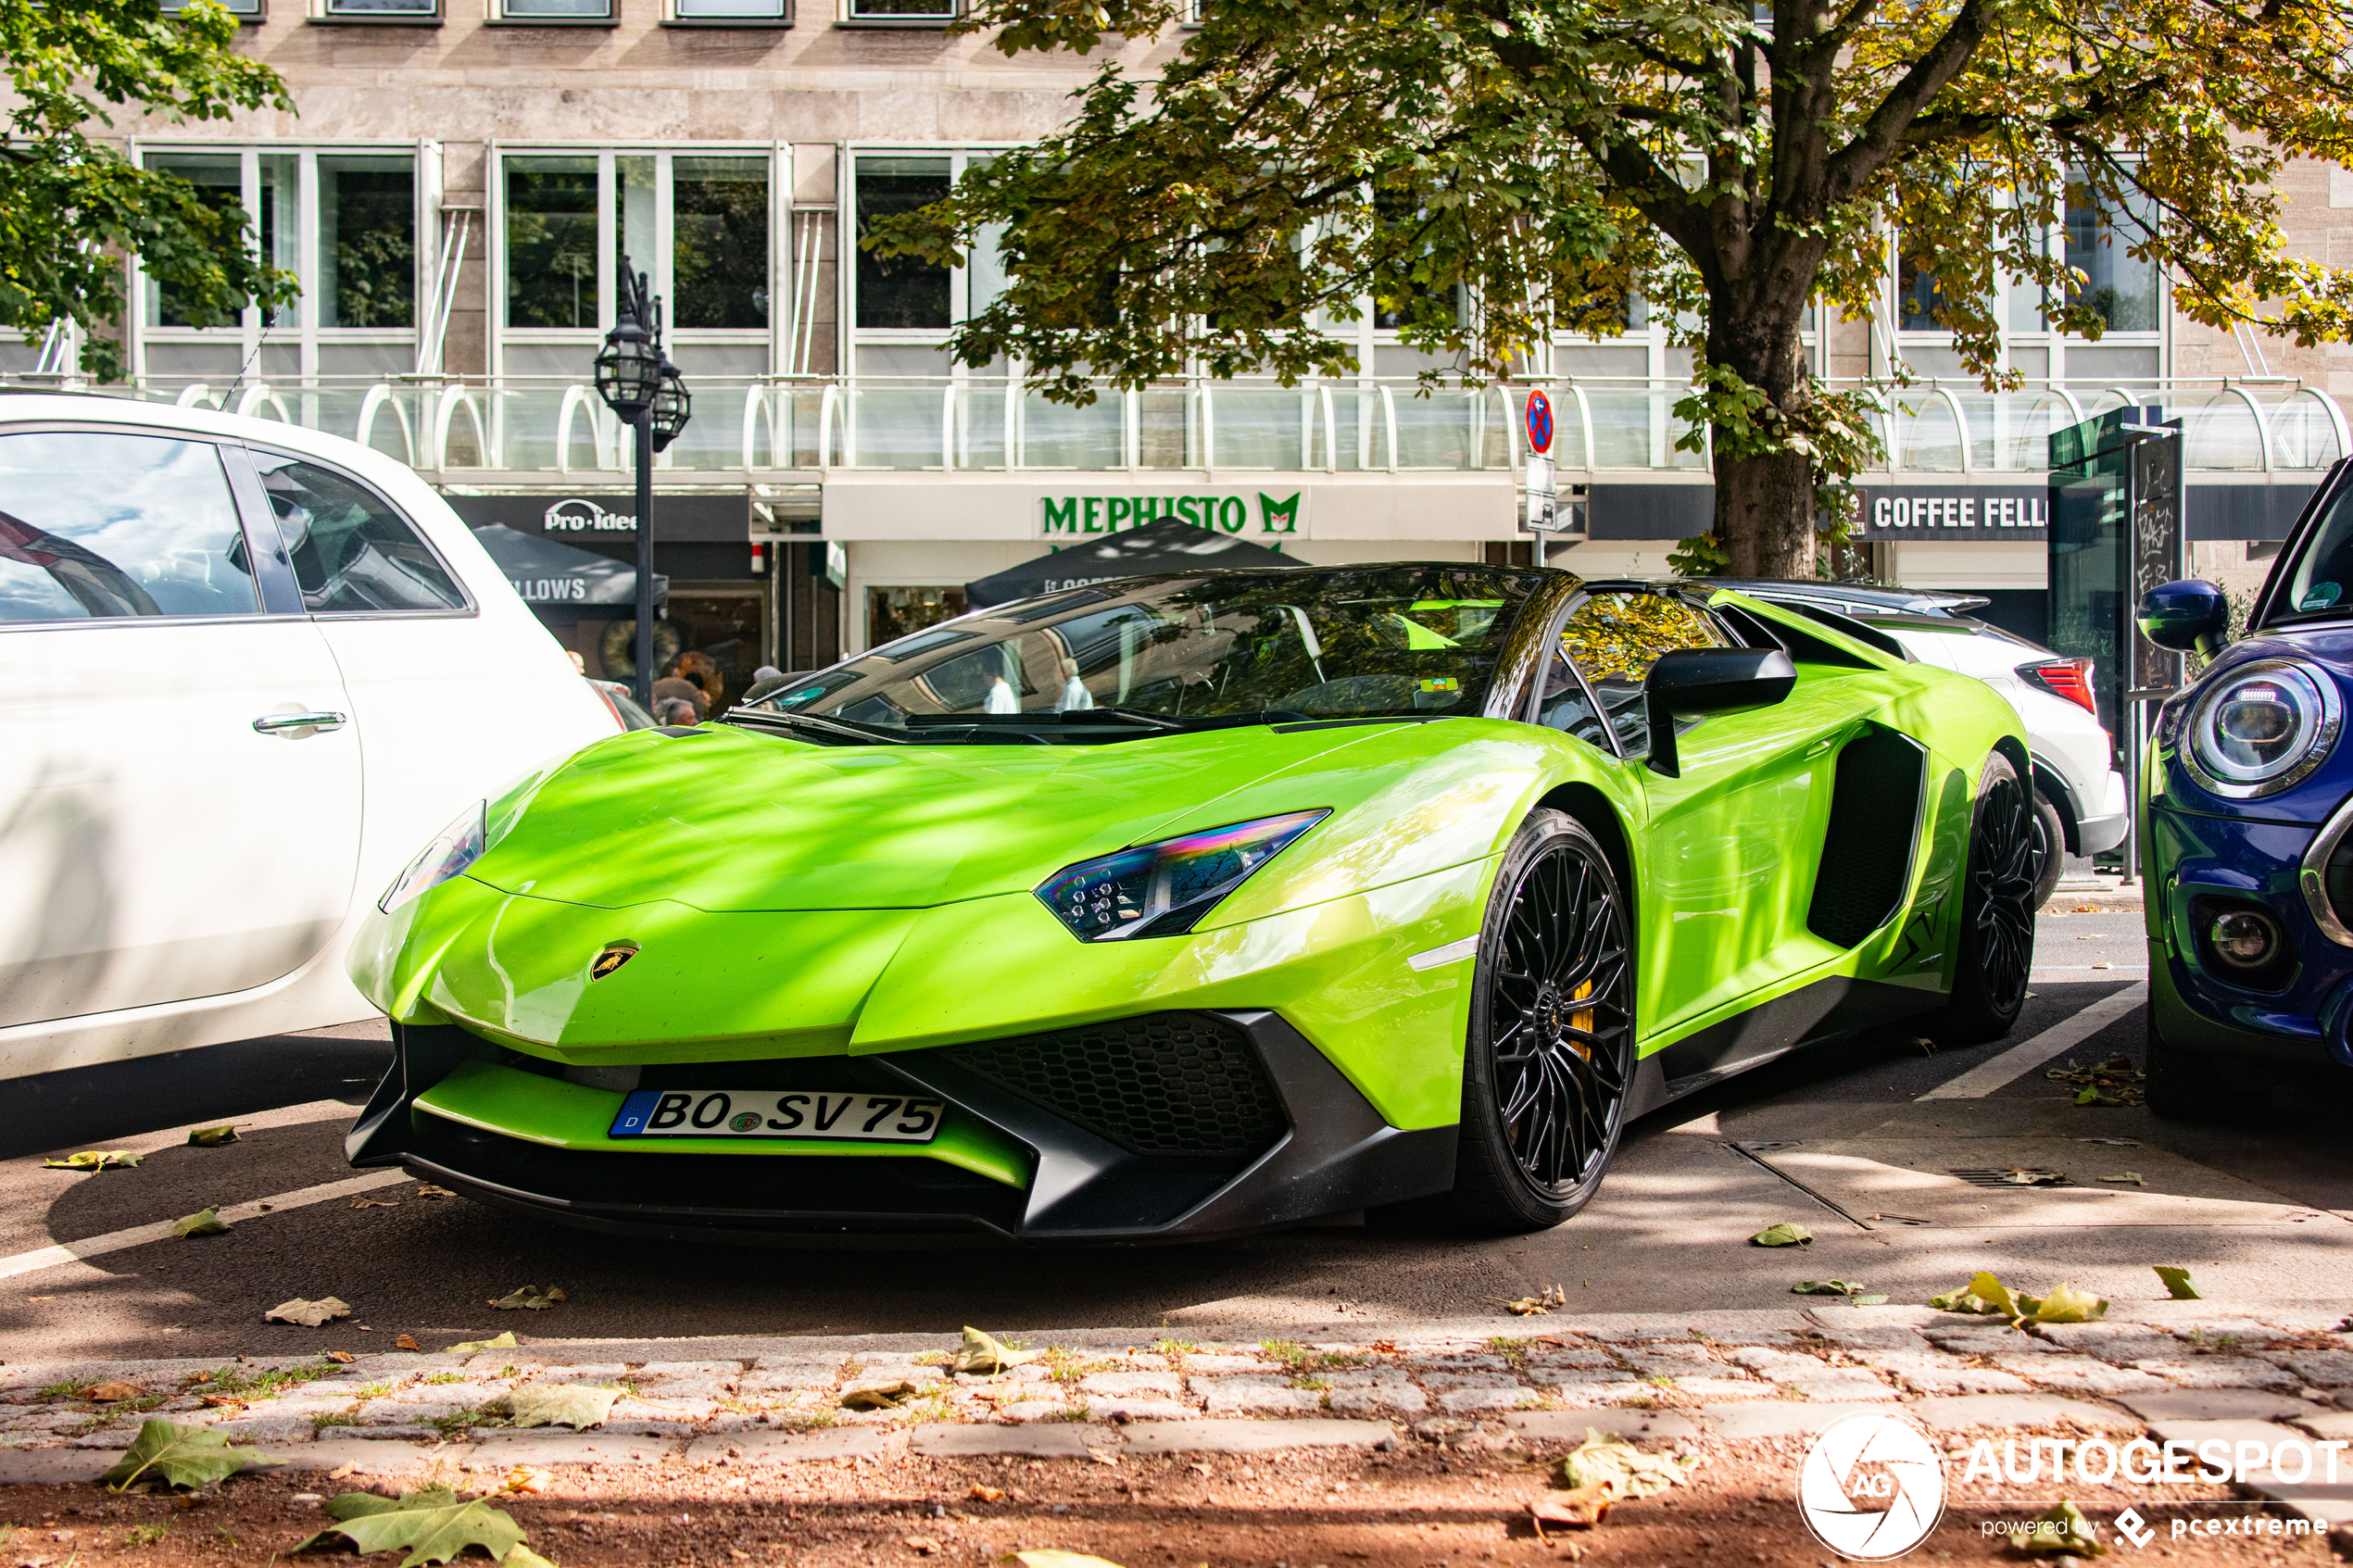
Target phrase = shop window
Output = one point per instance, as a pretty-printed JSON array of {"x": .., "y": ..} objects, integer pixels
[
  {"x": 892, "y": 613},
  {"x": 719, "y": 641},
  {"x": 551, "y": 242},
  {"x": 2122, "y": 288},
  {"x": 367, "y": 240},
  {"x": 719, "y": 242},
  {"x": 900, "y": 291}
]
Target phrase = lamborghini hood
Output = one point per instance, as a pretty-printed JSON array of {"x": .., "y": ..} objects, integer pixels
[{"x": 729, "y": 820}]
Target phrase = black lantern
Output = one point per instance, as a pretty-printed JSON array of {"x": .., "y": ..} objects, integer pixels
[
  {"x": 672, "y": 406},
  {"x": 629, "y": 370}
]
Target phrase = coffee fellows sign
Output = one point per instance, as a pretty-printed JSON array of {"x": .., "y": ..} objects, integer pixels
[
  {"x": 2003, "y": 516},
  {"x": 1249, "y": 512}
]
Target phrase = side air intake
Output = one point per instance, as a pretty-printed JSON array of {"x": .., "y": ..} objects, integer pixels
[{"x": 1867, "y": 855}]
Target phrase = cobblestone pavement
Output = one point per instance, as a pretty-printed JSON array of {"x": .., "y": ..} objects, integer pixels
[{"x": 2180, "y": 1372}]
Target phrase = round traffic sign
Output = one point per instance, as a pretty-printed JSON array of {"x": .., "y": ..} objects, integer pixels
[{"x": 1540, "y": 422}]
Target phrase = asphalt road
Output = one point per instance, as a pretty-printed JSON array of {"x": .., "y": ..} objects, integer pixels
[{"x": 1837, "y": 1138}]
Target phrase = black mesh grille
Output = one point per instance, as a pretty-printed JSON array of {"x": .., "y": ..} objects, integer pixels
[{"x": 1171, "y": 1083}]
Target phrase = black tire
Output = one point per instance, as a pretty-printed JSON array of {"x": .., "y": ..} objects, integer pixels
[
  {"x": 2050, "y": 837},
  {"x": 1997, "y": 912},
  {"x": 1545, "y": 1084},
  {"x": 2184, "y": 1087}
]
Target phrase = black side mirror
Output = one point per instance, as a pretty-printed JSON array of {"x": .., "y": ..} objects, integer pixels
[
  {"x": 2186, "y": 617},
  {"x": 1709, "y": 681}
]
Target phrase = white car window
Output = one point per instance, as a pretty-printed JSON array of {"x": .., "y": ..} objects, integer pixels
[
  {"x": 351, "y": 552},
  {"x": 100, "y": 526}
]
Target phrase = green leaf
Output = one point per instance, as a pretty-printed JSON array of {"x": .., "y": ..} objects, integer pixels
[
  {"x": 432, "y": 1525},
  {"x": 204, "y": 1221},
  {"x": 501, "y": 1342},
  {"x": 2063, "y": 1530},
  {"x": 2177, "y": 1281},
  {"x": 179, "y": 1456},
  {"x": 984, "y": 1355},
  {"x": 521, "y": 1556},
  {"x": 95, "y": 1159},
  {"x": 1783, "y": 1235},
  {"x": 1609, "y": 1462},
  {"x": 213, "y": 1138},
  {"x": 2066, "y": 1304},
  {"x": 559, "y": 1404}
]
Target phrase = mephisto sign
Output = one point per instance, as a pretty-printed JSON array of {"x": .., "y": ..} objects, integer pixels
[{"x": 1249, "y": 512}]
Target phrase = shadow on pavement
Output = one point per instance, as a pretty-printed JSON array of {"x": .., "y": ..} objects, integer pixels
[{"x": 87, "y": 1105}]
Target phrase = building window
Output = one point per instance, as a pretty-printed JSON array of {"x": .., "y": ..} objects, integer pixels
[
  {"x": 556, "y": 10},
  {"x": 401, "y": 9},
  {"x": 900, "y": 291},
  {"x": 719, "y": 242},
  {"x": 244, "y": 10},
  {"x": 2122, "y": 287},
  {"x": 220, "y": 182},
  {"x": 367, "y": 240},
  {"x": 733, "y": 10},
  {"x": 551, "y": 242},
  {"x": 901, "y": 11}
]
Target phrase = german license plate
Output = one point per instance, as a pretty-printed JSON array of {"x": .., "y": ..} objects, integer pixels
[{"x": 768, "y": 1114}]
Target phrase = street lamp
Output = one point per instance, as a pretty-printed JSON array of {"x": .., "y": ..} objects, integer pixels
[{"x": 642, "y": 387}]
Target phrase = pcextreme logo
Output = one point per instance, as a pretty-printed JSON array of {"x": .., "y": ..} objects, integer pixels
[
  {"x": 1871, "y": 1486},
  {"x": 1063, "y": 516}
]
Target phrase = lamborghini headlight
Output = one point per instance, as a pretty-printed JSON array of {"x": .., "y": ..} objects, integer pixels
[
  {"x": 2262, "y": 727},
  {"x": 1165, "y": 889},
  {"x": 452, "y": 850}
]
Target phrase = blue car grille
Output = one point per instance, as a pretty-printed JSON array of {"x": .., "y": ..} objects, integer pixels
[{"x": 1164, "y": 1084}]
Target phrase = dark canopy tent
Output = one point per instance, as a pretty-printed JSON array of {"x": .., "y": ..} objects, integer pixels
[
  {"x": 558, "y": 580},
  {"x": 1163, "y": 545}
]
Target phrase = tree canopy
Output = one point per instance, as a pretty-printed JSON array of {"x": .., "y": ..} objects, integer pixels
[
  {"x": 72, "y": 206},
  {"x": 1489, "y": 172}
]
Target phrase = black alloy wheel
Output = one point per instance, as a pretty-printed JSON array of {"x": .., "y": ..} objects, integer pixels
[
  {"x": 1551, "y": 1049},
  {"x": 1998, "y": 910}
]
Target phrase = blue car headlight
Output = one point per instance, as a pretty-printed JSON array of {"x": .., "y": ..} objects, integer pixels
[
  {"x": 452, "y": 850},
  {"x": 1166, "y": 889},
  {"x": 2261, "y": 728}
]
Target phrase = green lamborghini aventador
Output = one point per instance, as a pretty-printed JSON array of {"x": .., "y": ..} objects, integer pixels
[{"x": 1181, "y": 906}]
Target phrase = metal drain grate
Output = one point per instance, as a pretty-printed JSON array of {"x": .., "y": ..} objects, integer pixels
[{"x": 1989, "y": 1177}]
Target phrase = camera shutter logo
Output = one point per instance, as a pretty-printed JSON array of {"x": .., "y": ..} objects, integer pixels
[{"x": 1871, "y": 1486}]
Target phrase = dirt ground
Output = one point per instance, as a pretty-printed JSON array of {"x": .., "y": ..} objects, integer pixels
[{"x": 1419, "y": 1507}]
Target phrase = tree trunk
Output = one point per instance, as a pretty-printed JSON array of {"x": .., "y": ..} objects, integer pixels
[{"x": 1764, "y": 505}]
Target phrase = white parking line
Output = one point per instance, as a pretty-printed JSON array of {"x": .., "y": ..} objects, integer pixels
[
  {"x": 1987, "y": 1076},
  {"x": 236, "y": 1213}
]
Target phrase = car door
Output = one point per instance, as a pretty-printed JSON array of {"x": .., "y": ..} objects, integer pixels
[
  {"x": 1729, "y": 841},
  {"x": 180, "y": 786}
]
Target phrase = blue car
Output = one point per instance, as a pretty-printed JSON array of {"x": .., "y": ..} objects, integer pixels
[{"x": 2248, "y": 809}]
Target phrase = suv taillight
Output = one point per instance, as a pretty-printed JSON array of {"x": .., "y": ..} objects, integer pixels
[{"x": 2069, "y": 678}]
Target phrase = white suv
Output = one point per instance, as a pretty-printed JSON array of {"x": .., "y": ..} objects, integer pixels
[
  {"x": 2079, "y": 795},
  {"x": 246, "y": 669}
]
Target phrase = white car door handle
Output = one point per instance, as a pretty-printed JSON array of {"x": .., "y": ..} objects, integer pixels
[{"x": 270, "y": 722}]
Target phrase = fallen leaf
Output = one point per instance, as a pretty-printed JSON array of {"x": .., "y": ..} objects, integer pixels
[
  {"x": 2065, "y": 1304},
  {"x": 1607, "y": 1462},
  {"x": 341, "y": 1358},
  {"x": 528, "y": 1299},
  {"x": 373, "y": 1203},
  {"x": 2133, "y": 1176},
  {"x": 1783, "y": 1235},
  {"x": 223, "y": 1401},
  {"x": 526, "y": 1478},
  {"x": 2070, "y": 1534},
  {"x": 1580, "y": 1509},
  {"x": 213, "y": 1138},
  {"x": 431, "y": 1524},
  {"x": 997, "y": 1494},
  {"x": 179, "y": 1456},
  {"x": 106, "y": 1392},
  {"x": 1540, "y": 1305},
  {"x": 500, "y": 1342},
  {"x": 878, "y": 1396},
  {"x": 307, "y": 1314},
  {"x": 2177, "y": 1281},
  {"x": 340, "y": 1471},
  {"x": 926, "y": 1545},
  {"x": 523, "y": 1557},
  {"x": 2026, "y": 1176},
  {"x": 982, "y": 1355},
  {"x": 407, "y": 1342},
  {"x": 427, "y": 1189},
  {"x": 1827, "y": 1287},
  {"x": 204, "y": 1221},
  {"x": 95, "y": 1159},
  {"x": 559, "y": 1404}
]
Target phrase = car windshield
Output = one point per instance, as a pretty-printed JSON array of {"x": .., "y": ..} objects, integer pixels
[
  {"x": 1336, "y": 642},
  {"x": 2320, "y": 580}
]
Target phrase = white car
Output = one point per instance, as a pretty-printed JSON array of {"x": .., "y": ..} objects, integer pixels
[
  {"x": 246, "y": 670},
  {"x": 2079, "y": 795}
]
